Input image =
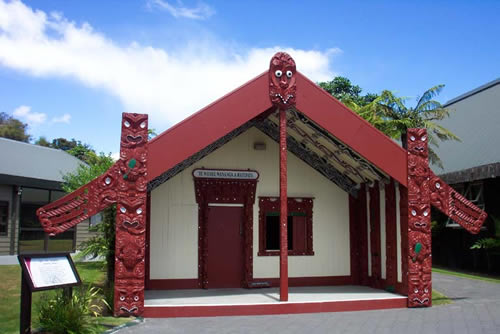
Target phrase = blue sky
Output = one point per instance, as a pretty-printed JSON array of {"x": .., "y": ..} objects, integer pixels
[{"x": 69, "y": 68}]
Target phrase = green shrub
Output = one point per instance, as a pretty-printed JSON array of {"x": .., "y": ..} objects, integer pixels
[{"x": 62, "y": 314}]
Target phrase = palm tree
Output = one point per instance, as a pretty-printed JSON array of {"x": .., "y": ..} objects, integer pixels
[{"x": 389, "y": 114}]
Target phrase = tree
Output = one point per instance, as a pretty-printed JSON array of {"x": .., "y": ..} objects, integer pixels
[
  {"x": 103, "y": 243},
  {"x": 42, "y": 141},
  {"x": 13, "y": 128},
  {"x": 390, "y": 114},
  {"x": 343, "y": 90}
]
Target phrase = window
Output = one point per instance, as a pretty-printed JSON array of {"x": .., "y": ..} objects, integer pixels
[
  {"x": 299, "y": 224},
  {"x": 32, "y": 238},
  {"x": 4, "y": 217}
]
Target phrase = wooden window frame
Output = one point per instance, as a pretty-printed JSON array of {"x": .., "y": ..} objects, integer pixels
[
  {"x": 297, "y": 206},
  {"x": 6, "y": 203}
]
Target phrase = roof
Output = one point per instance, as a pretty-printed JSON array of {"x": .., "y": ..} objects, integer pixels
[
  {"x": 28, "y": 164},
  {"x": 472, "y": 92},
  {"x": 249, "y": 105}
]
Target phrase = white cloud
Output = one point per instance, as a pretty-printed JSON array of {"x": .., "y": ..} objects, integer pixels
[
  {"x": 33, "y": 118},
  {"x": 167, "y": 84},
  {"x": 66, "y": 118},
  {"x": 200, "y": 12}
]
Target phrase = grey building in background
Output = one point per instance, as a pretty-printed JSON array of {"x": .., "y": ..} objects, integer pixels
[
  {"x": 472, "y": 167},
  {"x": 30, "y": 177}
]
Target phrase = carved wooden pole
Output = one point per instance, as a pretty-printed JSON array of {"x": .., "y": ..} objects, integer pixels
[
  {"x": 283, "y": 211},
  {"x": 419, "y": 220},
  {"x": 282, "y": 91},
  {"x": 130, "y": 245}
]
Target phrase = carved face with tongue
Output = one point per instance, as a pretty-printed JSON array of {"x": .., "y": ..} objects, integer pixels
[{"x": 282, "y": 87}]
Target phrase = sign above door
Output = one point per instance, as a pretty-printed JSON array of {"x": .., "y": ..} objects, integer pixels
[{"x": 225, "y": 174}]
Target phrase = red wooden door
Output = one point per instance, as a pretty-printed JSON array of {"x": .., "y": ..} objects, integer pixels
[{"x": 225, "y": 247}]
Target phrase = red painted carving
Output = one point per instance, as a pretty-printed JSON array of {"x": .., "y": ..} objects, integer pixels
[
  {"x": 283, "y": 207},
  {"x": 282, "y": 86},
  {"x": 455, "y": 206},
  {"x": 81, "y": 204},
  {"x": 375, "y": 236},
  {"x": 419, "y": 218},
  {"x": 125, "y": 184},
  {"x": 391, "y": 237},
  {"x": 211, "y": 190},
  {"x": 129, "y": 297},
  {"x": 130, "y": 246}
]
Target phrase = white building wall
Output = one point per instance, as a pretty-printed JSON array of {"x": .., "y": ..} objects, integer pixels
[{"x": 174, "y": 214}]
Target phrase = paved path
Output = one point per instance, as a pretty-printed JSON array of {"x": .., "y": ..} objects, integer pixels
[{"x": 476, "y": 309}]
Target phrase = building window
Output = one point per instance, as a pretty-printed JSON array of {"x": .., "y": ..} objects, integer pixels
[
  {"x": 32, "y": 238},
  {"x": 299, "y": 225},
  {"x": 4, "y": 217}
]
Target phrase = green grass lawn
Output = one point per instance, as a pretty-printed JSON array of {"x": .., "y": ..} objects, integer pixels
[
  {"x": 439, "y": 299},
  {"x": 467, "y": 275},
  {"x": 10, "y": 279}
]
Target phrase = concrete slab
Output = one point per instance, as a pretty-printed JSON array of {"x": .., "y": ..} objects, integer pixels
[{"x": 263, "y": 296}]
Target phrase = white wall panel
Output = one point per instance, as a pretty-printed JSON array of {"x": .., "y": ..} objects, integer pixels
[{"x": 174, "y": 214}]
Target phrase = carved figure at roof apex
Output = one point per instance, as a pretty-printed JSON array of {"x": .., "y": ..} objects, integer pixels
[{"x": 282, "y": 86}]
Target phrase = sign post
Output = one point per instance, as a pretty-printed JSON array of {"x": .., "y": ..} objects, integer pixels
[{"x": 43, "y": 272}]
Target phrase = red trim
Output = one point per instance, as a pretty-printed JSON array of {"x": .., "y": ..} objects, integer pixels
[
  {"x": 403, "y": 213},
  {"x": 278, "y": 308},
  {"x": 252, "y": 99},
  {"x": 173, "y": 284},
  {"x": 375, "y": 235},
  {"x": 391, "y": 235},
  {"x": 208, "y": 125},
  {"x": 283, "y": 211}
]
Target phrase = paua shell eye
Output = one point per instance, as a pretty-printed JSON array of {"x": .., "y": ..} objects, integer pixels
[
  {"x": 289, "y": 74},
  {"x": 136, "y": 298},
  {"x": 122, "y": 298},
  {"x": 426, "y": 213},
  {"x": 423, "y": 138},
  {"x": 412, "y": 138},
  {"x": 416, "y": 290},
  {"x": 413, "y": 212},
  {"x": 426, "y": 290},
  {"x": 278, "y": 74},
  {"x": 127, "y": 124}
]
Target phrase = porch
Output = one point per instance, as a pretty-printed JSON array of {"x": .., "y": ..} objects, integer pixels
[{"x": 233, "y": 302}]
